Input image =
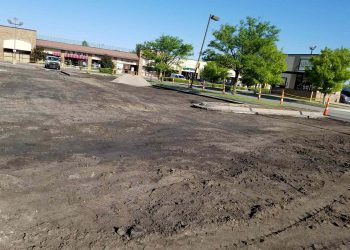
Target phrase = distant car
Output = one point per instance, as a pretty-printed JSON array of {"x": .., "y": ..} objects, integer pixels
[
  {"x": 96, "y": 65},
  {"x": 177, "y": 76},
  {"x": 345, "y": 96},
  {"x": 52, "y": 62}
]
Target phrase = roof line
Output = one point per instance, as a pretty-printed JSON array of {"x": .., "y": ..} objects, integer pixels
[
  {"x": 17, "y": 28},
  {"x": 85, "y": 46},
  {"x": 301, "y": 54}
]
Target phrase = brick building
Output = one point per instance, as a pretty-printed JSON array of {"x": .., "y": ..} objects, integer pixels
[
  {"x": 21, "y": 40},
  {"x": 78, "y": 55}
]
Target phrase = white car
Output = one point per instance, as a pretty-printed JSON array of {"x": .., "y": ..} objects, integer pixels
[
  {"x": 177, "y": 76},
  {"x": 52, "y": 62}
]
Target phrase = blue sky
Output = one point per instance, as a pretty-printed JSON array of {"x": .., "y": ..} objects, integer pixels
[{"x": 125, "y": 23}]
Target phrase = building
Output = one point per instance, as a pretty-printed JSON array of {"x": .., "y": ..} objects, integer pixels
[
  {"x": 89, "y": 57},
  {"x": 20, "y": 40},
  {"x": 187, "y": 68},
  {"x": 294, "y": 77},
  {"x": 295, "y": 82},
  {"x": 23, "y": 41}
]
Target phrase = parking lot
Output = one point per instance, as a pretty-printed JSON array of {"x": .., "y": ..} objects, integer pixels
[{"x": 87, "y": 163}]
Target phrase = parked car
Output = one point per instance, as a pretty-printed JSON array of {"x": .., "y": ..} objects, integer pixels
[
  {"x": 345, "y": 96},
  {"x": 173, "y": 75},
  {"x": 52, "y": 62}
]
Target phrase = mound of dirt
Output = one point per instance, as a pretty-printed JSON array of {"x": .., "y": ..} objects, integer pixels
[{"x": 136, "y": 81}]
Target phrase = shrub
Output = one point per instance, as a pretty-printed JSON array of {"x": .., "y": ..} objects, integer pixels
[
  {"x": 179, "y": 80},
  {"x": 212, "y": 72},
  {"x": 241, "y": 88},
  {"x": 263, "y": 91},
  {"x": 37, "y": 54},
  {"x": 106, "y": 70},
  {"x": 106, "y": 62}
]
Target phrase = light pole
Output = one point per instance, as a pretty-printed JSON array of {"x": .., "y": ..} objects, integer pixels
[
  {"x": 211, "y": 17},
  {"x": 312, "y": 48},
  {"x": 16, "y": 23}
]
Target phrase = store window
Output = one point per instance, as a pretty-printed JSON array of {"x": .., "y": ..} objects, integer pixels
[{"x": 302, "y": 84}]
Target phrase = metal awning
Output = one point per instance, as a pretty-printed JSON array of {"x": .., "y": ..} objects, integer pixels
[{"x": 20, "y": 45}]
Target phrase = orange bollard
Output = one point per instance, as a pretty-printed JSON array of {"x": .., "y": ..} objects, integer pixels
[
  {"x": 325, "y": 113},
  {"x": 282, "y": 96}
]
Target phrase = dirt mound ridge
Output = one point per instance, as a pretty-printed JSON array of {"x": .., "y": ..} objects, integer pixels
[{"x": 136, "y": 81}]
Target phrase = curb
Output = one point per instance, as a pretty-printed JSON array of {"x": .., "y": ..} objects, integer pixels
[
  {"x": 65, "y": 73},
  {"x": 239, "y": 109},
  {"x": 198, "y": 94}
]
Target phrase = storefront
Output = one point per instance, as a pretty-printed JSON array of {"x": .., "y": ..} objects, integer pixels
[
  {"x": 16, "y": 44},
  {"x": 73, "y": 55},
  {"x": 294, "y": 77}
]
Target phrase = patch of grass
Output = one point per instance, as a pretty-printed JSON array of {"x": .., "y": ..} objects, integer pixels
[
  {"x": 244, "y": 99},
  {"x": 106, "y": 70},
  {"x": 251, "y": 100}
]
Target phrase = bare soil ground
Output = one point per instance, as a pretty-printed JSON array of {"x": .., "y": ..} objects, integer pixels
[{"x": 90, "y": 164}]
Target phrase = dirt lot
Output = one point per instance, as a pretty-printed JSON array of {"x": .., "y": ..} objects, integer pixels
[{"x": 89, "y": 164}]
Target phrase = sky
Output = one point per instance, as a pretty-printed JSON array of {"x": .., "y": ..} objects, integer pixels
[{"x": 125, "y": 23}]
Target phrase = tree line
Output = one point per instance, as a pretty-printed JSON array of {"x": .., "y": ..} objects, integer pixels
[{"x": 250, "y": 50}]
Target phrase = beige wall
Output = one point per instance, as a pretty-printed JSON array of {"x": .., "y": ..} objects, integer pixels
[{"x": 22, "y": 34}]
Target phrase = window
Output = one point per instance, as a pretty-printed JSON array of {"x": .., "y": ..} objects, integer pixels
[
  {"x": 346, "y": 93},
  {"x": 304, "y": 63},
  {"x": 302, "y": 84}
]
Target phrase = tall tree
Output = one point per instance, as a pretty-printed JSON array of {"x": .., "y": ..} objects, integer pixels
[
  {"x": 329, "y": 71},
  {"x": 265, "y": 66},
  {"x": 138, "y": 49},
  {"x": 165, "y": 52},
  {"x": 249, "y": 49},
  {"x": 85, "y": 43},
  {"x": 213, "y": 72}
]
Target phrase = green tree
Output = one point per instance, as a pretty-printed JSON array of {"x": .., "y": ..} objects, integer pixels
[
  {"x": 106, "y": 62},
  {"x": 85, "y": 43},
  {"x": 265, "y": 66},
  {"x": 137, "y": 49},
  {"x": 37, "y": 54},
  {"x": 330, "y": 70},
  {"x": 165, "y": 52},
  {"x": 249, "y": 49},
  {"x": 213, "y": 72}
]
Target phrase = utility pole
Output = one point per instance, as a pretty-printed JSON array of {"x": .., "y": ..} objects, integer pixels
[
  {"x": 211, "y": 17},
  {"x": 16, "y": 23}
]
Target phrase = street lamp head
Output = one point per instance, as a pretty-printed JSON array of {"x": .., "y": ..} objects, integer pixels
[
  {"x": 313, "y": 47},
  {"x": 215, "y": 18},
  {"x": 14, "y": 21}
]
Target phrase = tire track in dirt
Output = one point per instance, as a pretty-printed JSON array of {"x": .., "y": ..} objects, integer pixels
[
  {"x": 308, "y": 207},
  {"x": 295, "y": 214},
  {"x": 268, "y": 224}
]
